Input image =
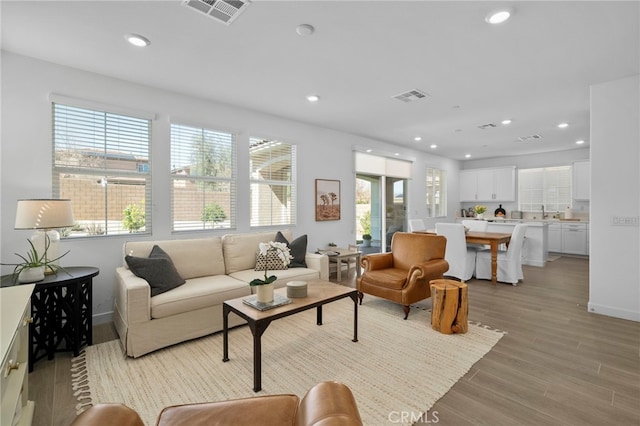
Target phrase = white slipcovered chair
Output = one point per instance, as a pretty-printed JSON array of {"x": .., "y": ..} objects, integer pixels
[
  {"x": 462, "y": 260},
  {"x": 509, "y": 261},
  {"x": 476, "y": 226},
  {"x": 416, "y": 225}
]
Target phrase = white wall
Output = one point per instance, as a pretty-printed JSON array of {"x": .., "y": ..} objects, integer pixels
[
  {"x": 614, "y": 275},
  {"x": 25, "y": 154}
]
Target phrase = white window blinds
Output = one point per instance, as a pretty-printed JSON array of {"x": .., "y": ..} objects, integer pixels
[
  {"x": 273, "y": 183},
  {"x": 550, "y": 186},
  {"x": 203, "y": 179},
  {"x": 101, "y": 162},
  {"x": 436, "y": 193}
]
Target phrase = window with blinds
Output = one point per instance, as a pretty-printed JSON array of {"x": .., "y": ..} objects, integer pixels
[
  {"x": 101, "y": 162},
  {"x": 273, "y": 183},
  {"x": 436, "y": 193},
  {"x": 549, "y": 187},
  {"x": 203, "y": 179}
]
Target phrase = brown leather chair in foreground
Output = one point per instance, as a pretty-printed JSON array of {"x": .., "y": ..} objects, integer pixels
[
  {"x": 325, "y": 404},
  {"x": 403, "y": 275}
]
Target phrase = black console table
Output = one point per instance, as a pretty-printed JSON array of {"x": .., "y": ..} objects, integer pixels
[{"x": 61, "y": 307}]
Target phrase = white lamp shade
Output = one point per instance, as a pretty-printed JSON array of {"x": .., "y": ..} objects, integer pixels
[{"x": 44, "y": 214}]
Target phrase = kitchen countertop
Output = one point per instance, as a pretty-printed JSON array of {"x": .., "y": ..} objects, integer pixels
[{"x": 496, "y": 220}]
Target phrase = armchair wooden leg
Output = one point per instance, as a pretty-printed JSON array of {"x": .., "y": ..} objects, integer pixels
[
  {"x": 406, "y": 309},
  {"x": 360, "y": 296}
]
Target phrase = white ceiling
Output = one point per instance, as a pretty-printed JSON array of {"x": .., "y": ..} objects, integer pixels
[{"x": 535, "y": 69}]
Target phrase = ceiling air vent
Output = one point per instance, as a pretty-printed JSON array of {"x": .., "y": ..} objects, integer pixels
[
  {"x": 411, "y": 95},
  {"x": 529, "y": 138},
  {"x": 222, "y": 10},
  {"x": 487, "y": 126}
]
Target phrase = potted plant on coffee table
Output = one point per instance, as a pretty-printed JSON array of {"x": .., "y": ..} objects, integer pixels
[{"x": 264, "y": 287}]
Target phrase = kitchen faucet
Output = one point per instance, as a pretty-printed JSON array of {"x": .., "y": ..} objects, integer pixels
[{"x": 544, "y": 216}]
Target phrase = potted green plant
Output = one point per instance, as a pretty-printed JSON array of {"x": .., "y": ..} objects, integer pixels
[
  {"x": 264, "y": 289},
  {"x": 366, "y": 240},
  {"x": 34, "y": 265}
]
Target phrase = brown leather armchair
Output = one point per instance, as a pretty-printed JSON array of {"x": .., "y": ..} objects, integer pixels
[
  {"x": 403, "y": 274},
  {"x": 326, "y": 404}
]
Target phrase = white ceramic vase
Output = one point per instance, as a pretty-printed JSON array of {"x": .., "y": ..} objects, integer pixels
[
  {"x": 31, "y": 275},
  {"x": 264, "y": 293},
  {"x": 480, "y": 216}
]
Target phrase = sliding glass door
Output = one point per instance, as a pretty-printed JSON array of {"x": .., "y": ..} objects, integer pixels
[{"x": 380, "y": 211}]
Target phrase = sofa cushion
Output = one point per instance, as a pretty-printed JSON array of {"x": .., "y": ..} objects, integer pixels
[
  {"x": 157, "y": 269},
  {"x": 192, "y": 258},
  {"x": 198, "y": 293},
  {"x": 298, "y": 249},
  {"x": 240, "y": 249},
  {"x": 291, "y": 274}
]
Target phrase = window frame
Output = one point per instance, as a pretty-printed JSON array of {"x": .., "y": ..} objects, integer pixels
[
  {"x": 114, "y": 142},
  {"x": 440, "y": 208},
  {"x": 526, "y": 201},
  {"x": 230, "y": 179},
  {"x": 289, "y": 186}
]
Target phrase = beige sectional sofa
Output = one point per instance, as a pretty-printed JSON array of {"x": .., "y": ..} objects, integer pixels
[{"x": 215, "y": 269}]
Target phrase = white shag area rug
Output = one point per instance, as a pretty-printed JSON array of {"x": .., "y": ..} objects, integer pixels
[{"x": 396, "y": 365}]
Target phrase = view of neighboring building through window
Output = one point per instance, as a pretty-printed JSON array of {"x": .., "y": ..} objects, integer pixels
[
  {"x": 549, "y": 187},
  {"x": 203, "y": 179},
  {"x": 436, "y": 193},
  {"x": 273, "y": 183},
  {"x": 101, "y": 163}
]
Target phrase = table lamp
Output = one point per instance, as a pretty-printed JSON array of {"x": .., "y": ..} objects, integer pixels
[{"x": 44, "y": 215}]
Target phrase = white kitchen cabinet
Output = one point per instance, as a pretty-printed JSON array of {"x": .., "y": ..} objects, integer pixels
[
  {"x": 575, "y": 239},
  {"x": 555, "y": 237},
  {"x": 15, "y": 303},
  {"x": 581, "y": 180},
  {"x": 496, "y": 184}
]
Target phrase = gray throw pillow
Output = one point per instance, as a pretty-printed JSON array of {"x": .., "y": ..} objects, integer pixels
[
  {"x": 298, "y": 248},
  {"x": 158, "y": 270}
]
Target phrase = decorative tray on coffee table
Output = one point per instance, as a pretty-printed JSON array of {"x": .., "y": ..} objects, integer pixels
[{"x": 278, "y": 300}]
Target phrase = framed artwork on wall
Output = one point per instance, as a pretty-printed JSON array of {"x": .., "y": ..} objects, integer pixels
[{"x": 327, "y": 200}]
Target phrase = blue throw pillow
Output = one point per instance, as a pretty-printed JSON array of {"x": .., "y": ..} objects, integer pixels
[
  {"x": 157, "y": 269},
  {"x": 298, "y": 248}
]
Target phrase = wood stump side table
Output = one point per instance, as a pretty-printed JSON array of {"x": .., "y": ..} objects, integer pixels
[
  {"x": 61, "y": 307},
  {"x": 449, "y": 310}
]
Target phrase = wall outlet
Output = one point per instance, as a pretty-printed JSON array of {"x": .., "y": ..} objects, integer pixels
[{"x": 625, "y": 220}]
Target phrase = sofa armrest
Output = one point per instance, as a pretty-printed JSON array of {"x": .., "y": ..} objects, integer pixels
[
  {"x": 132, "y": 296},
  {"x": 328, "y": 403},
  {"x": 319, "y": 262},
  {"x": 372, "y": 262},
  {"x": 108, "y": 414},
  {"x": 259, "y": 410}
]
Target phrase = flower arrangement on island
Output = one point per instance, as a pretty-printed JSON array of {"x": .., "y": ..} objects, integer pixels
[
  {"x": 480, "y": 209},
  {"x": 283, "y": 253}
]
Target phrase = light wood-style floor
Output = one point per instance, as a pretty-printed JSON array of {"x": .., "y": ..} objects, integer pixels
[{"x": 558, "y": 364}]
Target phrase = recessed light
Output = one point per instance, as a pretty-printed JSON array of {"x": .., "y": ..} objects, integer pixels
[
  {"x": 305, "y": 30},
  {"x": 467, "y": 156},
  {"x": 396, "y": 154},
  {"x": 313, "y": 98},
  {"x": 563, "y": 125},
  {"x": 505, "y": 122},
  {"x": 369, "y": 150},
  {"x": 417, "y": 138},
  {"x": 580, "y": 142},
  {"x": 137, "y": 40},
  {"x": 433, "y": 146},
  {"x": 498, "y": 16}
]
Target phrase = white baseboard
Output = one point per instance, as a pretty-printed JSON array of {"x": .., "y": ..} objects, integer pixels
[
  {"x": 613, "y": 312},
  {"x": 102, "y": 318}
]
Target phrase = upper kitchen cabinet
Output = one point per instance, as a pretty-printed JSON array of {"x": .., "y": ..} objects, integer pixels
[
  {"x": 581, "y": 180},
  {"x": 498, "y": 184}
]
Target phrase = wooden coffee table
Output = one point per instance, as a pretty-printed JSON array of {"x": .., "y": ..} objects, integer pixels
[{"x": 319, "y": 293}]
